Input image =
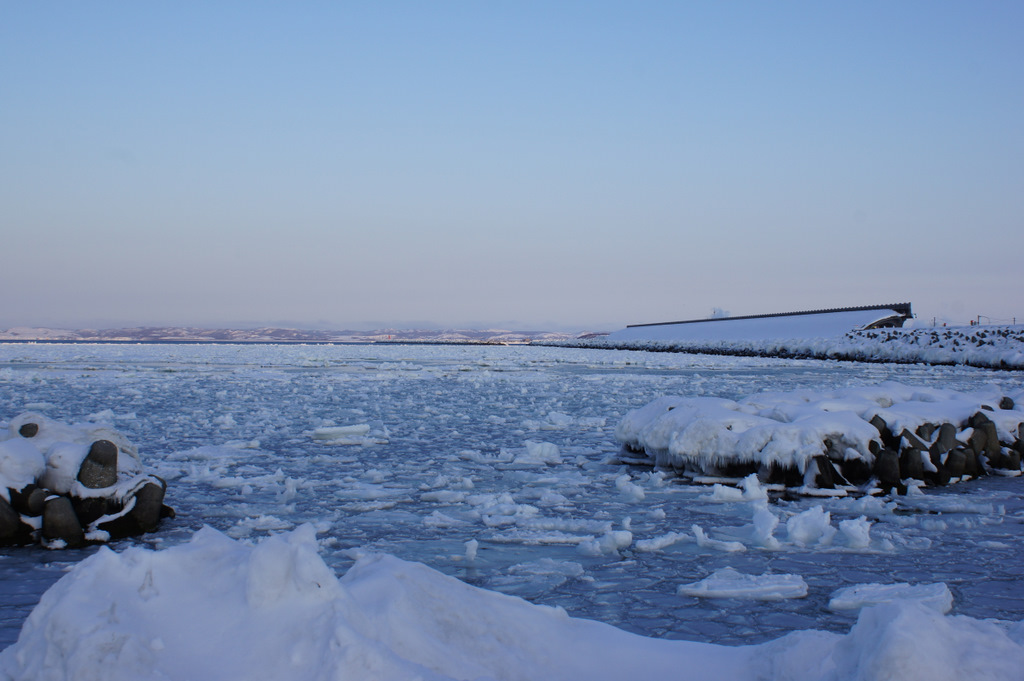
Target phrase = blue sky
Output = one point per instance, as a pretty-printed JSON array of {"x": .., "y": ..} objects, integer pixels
[{"x": 533, "y": 165}]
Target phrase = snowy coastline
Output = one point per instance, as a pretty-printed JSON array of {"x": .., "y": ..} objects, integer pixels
[
  {"x": 867, "y": 439},
  {"x": 988, "y": 347},
  {"x": 345, "y": 488}
]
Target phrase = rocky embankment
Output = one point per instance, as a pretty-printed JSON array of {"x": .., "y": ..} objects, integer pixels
[
  {"x": 884, "y": 438},
  {"x": 989, "y": 347}
]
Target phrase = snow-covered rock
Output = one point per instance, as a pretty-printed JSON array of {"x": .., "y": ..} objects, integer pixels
[
  {"x": 877, "y": 436},
  {"x": 67, "y": 484}
]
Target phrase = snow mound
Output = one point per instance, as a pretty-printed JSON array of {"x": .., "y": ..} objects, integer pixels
[{"x": 215, "y": 608}]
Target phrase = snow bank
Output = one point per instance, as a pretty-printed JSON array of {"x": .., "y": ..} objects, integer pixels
[
  {"x": 994, "y": 347},
  {"x": 64, "y": 484},
  {"x": 877, "y": 436},
  {"x": 215, "y": 608}
]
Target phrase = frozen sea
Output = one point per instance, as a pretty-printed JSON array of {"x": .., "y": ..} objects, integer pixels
[{"x": 498, "y": 465}]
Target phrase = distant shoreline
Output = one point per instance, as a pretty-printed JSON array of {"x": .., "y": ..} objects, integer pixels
[{"x": 201, "y": 341}]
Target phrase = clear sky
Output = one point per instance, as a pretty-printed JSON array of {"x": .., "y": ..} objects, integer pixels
[{"x": 517, "y": 164}]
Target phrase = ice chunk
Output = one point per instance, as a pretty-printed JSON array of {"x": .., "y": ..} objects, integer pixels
[
  {"x": 629, "y": 489},
  {"x": 358, "y": 434},
  {"x": 812, "y": 527},
  {"x": 936, "y": 596},
  {"x": 539, "y": 453},
  {"x": 729, "y": 583},
  {"x": 704, "y": 541}
]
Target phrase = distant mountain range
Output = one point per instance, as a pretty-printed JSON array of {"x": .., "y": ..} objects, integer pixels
[{"x": 175, "y": 334}]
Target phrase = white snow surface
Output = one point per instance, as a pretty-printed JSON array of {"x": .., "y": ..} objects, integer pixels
[
  {"x": 819, "y": 337},
  {"x": 215, "y": 608}
]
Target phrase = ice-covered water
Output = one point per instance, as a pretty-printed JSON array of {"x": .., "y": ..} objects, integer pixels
[{"x": 495, "y": 464}]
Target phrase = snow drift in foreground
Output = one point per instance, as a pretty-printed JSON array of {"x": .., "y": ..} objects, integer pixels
[{"x": 215, "y": 608}]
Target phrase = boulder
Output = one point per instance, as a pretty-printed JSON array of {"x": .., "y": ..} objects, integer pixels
[
  {"x": 911, "y": 464},
  {"x": 99, "y": 469},
  {"x": 61, "y": 523},
  {"x": 972, "y": 466},
  {"x": 149, "y": 504},
  {"x": 12, "y": 530},
  {"x": 945, "y": 440},
  {"x": 985, "y": 440},
  {"x": 955, "y": 463},
  {"x": 911, "y": 441},
  {"x": 777, "y": 474},
  {"x": 856, "y": 471},
  {"x": 1006, "y": 403},
  {"x": 1012, "y": 460},
  {"x": 978, "y": 418},
  {"x": 28, "y": 429},
  {"x": 887, "y": 468},
  {"x": 889, "y": 441},
  {"x": 825, "y": 477}
]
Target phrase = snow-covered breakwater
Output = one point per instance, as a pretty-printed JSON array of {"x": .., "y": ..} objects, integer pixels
[
  {"x": 990, "y": 347},
  {"x": 881, "y": 437},
  {"x": 66, "y": 485}
]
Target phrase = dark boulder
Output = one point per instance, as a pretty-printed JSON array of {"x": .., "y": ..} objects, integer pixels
[
  {"x": 777, "y": 474},
  {"x": 825, "y": 477},
  {"x": 911, "y": 464},
  {"x": 856, "y": 471},
  {"x": 144, "y": 516},
  {"x": 149, "y": 504},
  {"x": 889, "y": 441},
  {"x": 978, "y": 418},
  {"x": 28, "y": 430},
  {"x": 972, "y": 466},
  {"x": 887, "y": 468},
  {"x": 985, "y": 440},
  {"x": 956, "y": 462},
  {"x": 945, "y": 440},
  {"x": 61, "y": 523},
  {"x": 1012, "y": 460},
  {"x": 99, "y": 469},
  {"x": 1006, "y": 403},
  {"x": 12, "y": 530}
]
